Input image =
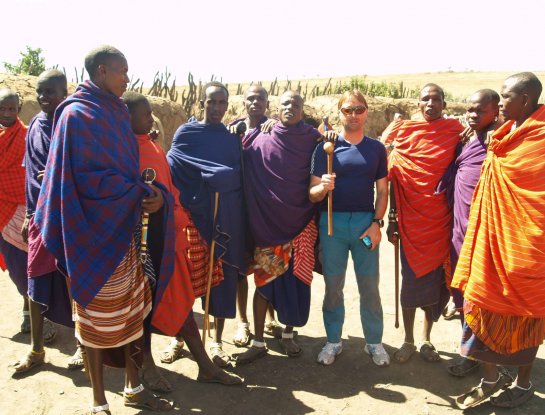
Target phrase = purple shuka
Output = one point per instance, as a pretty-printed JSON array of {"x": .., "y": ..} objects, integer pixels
[
  {"x": 38, "y": 140},
  {"x": 277, "y": 176},
  {"x": 459, "y": 183},
  {"x": 49, "y": 287},
  {"x": 469, "y": 164}
]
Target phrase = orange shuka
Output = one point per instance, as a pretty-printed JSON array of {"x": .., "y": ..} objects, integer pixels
[
  {"x": 502, "y": 262},
  {"x": 177, "y": 301}
]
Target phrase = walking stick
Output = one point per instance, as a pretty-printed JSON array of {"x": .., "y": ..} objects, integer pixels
[
  {"x": 329, "y": 148},
  {"x": 206, "y": 322},
  {"x": 149, "y": 176},
  {"x": 396, "y": 248}
]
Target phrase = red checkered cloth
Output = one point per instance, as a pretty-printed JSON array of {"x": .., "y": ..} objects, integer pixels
[
  {"x": 272, "y": 262},
  {"x": 12, "y": 184},
  {"x": 199, "y": 257}
]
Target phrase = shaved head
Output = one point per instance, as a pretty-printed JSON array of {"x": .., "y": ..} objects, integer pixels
[
  {"x": 526, "y": 83},
  {"x": 485, "y": 96},
  {"x": 6, "y": 93},
  {"x": 132, "y": 99},
  {"x": 258, "y": 89},
  {"x": 291, "y": 94},
  {"x": 213, "y": 84},
  {"x": 434, "y": 86},
  {"x": 101, "y": 56},
  {"x": 54, "y": 75}
]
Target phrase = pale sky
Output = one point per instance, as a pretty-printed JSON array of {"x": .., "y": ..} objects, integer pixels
[{"x": 244, "y": 40}]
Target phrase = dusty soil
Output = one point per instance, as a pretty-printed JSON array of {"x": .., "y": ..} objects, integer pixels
[{"x": 275, "y": 384}]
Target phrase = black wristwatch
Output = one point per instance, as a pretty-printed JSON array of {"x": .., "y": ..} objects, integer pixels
[{"x": 379, "y": 222}]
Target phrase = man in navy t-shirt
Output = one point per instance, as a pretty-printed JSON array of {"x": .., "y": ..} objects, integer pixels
[{"x": 360, "y": 166}]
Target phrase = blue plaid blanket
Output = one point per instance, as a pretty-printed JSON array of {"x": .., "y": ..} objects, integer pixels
[{"x": 90, "y": 200}]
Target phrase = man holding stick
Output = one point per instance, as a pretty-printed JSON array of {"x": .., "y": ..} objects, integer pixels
[
  {"x": 205, "y": 160},
  {"x": 359, "y": 163},
  {"x": 281, "y": 220},
  {"x": 423, "y": 149}
]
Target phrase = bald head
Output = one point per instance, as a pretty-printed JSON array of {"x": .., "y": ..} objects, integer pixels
[
  {"x": 485, "y": 96},
  {"x": 9, "y": 107},
  {"x": 256, "y": 102},
  {"x": 213, "y": 86},
  {"x": 432, "y": 86},
  {"x": 290, "y": 108},
  {"x": 431, "y": 102},
  {"x": 51, "y": 90},
  {"x": 483, "y": 110},
  {"x": 526, "y": 83},
  {"x": 519, "y": 97},
  {"x": 101, "y": 55},
  {"x": 6, "y": 93},
  {"x": 54, "y": 75},
  {"x": 256, "y": 89}
]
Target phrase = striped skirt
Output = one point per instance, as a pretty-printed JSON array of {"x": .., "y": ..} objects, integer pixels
[
  {"x": 115, "y": 316},
  {"x": 499, "y": 339}
]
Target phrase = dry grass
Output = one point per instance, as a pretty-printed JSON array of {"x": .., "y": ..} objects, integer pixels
[{"x": 459, "y": 85}]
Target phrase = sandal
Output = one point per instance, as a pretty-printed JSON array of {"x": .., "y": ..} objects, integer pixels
[
  {"x": 291, "y": 348},
  {"x": 29, "y": 362},
  {"x": 140, "y": 398},
  {"x": 482, "y": 392},
  {"x": 50, "y": 332},
  {"x": 256, "y": 351},
  {"x": 25, "y": 324},
  {"x": 404, "y": 353},
  {"x": 76, "y": 361},
  {"x": 100, "y": 410},
  {"x": 274, "y": 328},
  {"x": 242, "y": 335},
  {"x": 463, "y": 367},
  {"x": 155, "y": 382},
  {"x": 429, "y": 353},
  {"x": 219, "y": 357},
  {"x": 513, "y": 396},
  {"x": 172, "y": 352}
]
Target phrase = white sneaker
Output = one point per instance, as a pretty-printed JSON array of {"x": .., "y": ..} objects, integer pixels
[
  {"x": 329, "y": 352},
  {"x": 379, "y": 355}
]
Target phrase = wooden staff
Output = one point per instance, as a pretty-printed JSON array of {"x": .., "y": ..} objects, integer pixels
[
  {"x": 396, "y": 248},
  {"x": 329, "y": 148},
  {"x": 149, "y": 176},
  {"x": 206, "y": 321}
]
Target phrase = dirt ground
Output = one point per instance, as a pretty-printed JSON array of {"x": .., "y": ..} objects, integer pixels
[{"x": 275, "y": 384}]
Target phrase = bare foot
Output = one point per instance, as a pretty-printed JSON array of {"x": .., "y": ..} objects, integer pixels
[{"x": 214, "y": 374}]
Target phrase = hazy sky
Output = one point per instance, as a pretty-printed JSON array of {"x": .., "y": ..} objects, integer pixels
[{"x": 244, "y": 40}]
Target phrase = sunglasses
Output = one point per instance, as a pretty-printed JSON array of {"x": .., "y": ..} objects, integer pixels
[{"x": 354, "y": 110}]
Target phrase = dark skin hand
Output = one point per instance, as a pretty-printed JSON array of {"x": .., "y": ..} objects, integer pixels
[
  {"x": 392, "y": 231},
  {"x": 331, "y": 136},
  {"x": 24, "y": 230},
  {"x": 152, "y": 204}
]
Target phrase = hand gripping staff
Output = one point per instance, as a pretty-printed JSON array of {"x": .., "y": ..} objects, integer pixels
[{"x": 149, "y": 176}]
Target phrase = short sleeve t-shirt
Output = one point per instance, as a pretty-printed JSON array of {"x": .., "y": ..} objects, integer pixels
[{"x": 357, "y": 167}]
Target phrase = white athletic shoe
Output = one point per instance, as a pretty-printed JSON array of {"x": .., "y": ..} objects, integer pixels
[
  {"x": 329, "y": 352},
  {"x": 379, "y": 355}
]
